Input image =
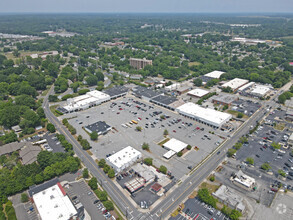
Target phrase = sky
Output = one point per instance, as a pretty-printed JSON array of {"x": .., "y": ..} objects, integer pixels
[{"x": 146, "y": 6}]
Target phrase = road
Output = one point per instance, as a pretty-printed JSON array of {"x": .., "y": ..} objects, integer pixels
[
  {"x": 174, "y": 198},
  {"x": 119, "y": 198}
]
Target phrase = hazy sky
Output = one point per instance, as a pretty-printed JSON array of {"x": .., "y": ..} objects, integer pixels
[{"x": 254, "y": 6}]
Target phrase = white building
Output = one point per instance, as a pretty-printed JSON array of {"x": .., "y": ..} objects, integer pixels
[
  {"x": 244, "y": 181},
  {"x": 206, "y": 116},
  {"x": 88, "y": 100},
  {"x": 198, "y": 93},
  {"x": 123, "y": 158},
  {"x": 173, "y": 87},
  {"x": 174, "y": 146},
  {"x": 260, "y": 90},
  {"x": 53, "y": 203},
  {"x": 235, "y": 84},
  {"x": 246, "y": 86},
  {"x": 215, "y": 74}
]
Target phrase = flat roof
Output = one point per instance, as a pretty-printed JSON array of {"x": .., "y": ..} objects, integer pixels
[
  {"x": 52, "y": 203},
  {"x": 144, "y": 171},
  {"x": 243, "y": 179},
  {"x": 215, "y": 74},
  {"x": 156, "y": 187},
  {"x": 166, "y": 100},
  {"x": 175, "y": 145},
  {"x": 198, "y": 92},
  {"x": 124, "y": 156},
  {"x": 99, "y": 127},
  {"x": 207, "y": 115},
  {"x": 225, "y": 98},
  {"x": 169, "y": 154},
  {"x": 142, "y": 91},
  {"x": 235, "y": 83},
  {"x": 134, "y": 184},
  {"x": 173, "y": 86},
  {"x": 246, "y": 86},
  {"x": 116, "y": 91},
  {"x": 260, "y": 90}
]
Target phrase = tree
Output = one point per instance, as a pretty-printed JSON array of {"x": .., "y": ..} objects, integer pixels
[
  {"x": 237, "y": 146},
  {"x": 138, "y": 128},
  {"x": 94, "y": 136},
  {"x": 145, "y": 146},
  {"x": 107, "y": 168},
  {"x": 188, "y": 147},
  {"x": 102, "y": 163},
  {"x": 85, "y": 144},
  {"x": 265, "y": 166},
  {"x": 85, "y": 173},
  {"x": 282, "y": 99},
  {"x": 276, "y": 146},
  {"x": 212, "y": 178},
  {"x": 240, "y": 115},
  {"x": 108, "y": 205},
  {"x": 79, "y": 138},
  {"x": 92, "y": 80},
  {"x": 163, "y": 169},
  {"x": 53, "y": 98},
  {"x": 243, "y": 139},
  {"x": 250, "y": 160},
  {"x": 179, "y": 154},
  {"x": 93, "y": 183},
  {"x": 281, "y": 173},
  {"x": 166, "y": 132},
  {"x": 111, "y": 173},
  {"x": 24, "y": 197},
  {"x": 197, "y": 82},
  {"x": 51, "y": 128},
  {"x": 227, "y": 89},
  {"x": 102, "y": 195},
  {"x": 225, "y": 107},
  {"x": 231, "y": 152},
  {"x": 148, "y": 161}
]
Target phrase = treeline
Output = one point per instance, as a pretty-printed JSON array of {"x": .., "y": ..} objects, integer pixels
[{"x": 21, "y": 176}]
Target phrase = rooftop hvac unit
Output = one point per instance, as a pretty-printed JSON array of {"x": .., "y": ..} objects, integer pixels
[{"x": 56, "y": 206}]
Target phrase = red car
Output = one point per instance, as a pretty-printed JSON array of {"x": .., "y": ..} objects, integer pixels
[
  {"x": 105, "y": 211},
  {"x": 265, "y": 138},
  {"x": 197, "y": 128},
  {"x": 120, "y": 109},
  {"x": 139, "y": 118},
  {"x": 174, "y": 131}
]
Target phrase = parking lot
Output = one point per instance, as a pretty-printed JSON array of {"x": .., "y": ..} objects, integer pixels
[
  {"x": 149, "y": 118},
  {"x": 195, "y": 209},
  {"x": 246, "y": 107},
  {"x": 80, "y": 192}
]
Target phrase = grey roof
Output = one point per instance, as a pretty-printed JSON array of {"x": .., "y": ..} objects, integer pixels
[
  {"x": 11, "y": 147},
  {"x": 36, "y": 189},
  {"x": 29, "y": 153},
  {"x": 225, "y": 98},
  {"x": 166, "y": 100},
  {"x": 100, "y": 127},
  {"x": 115, "y": 91},
  {"x": 142, "y": 91}
]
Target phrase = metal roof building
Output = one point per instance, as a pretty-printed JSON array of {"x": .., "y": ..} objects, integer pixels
[
  {"x": 206, "y": 116},
  {"x": 215, "y": 74},
  {"x": 198, "y": 93},
  {"x": 235, "y": 84}
]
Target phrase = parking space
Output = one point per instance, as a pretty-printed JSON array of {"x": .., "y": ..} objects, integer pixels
[
  {"x": 195, "y": 209},
  {"x": 153, "y": 120},
  {"x": 246, "y": 107},
  {"x": 80, "y": 192},
  {"x": 54, "y": 143}
]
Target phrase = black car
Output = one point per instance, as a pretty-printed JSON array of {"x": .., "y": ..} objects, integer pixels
[
  {"x": 288, "y": 165},
  {"x": 96, "y": 201},
  {"x": 257, "y": 155}
]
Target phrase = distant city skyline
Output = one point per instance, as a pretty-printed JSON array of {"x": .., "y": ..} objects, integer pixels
[{"x": 146, "y": 6}]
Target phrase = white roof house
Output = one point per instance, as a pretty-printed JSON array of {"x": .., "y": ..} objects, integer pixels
[
  {"x": 198, "y": 92},
  {"x": 260, "y": 90},
  {"x": 175, "y": 145},
  {"x": 235, "y": 83},
  {"x": 82, "y": 102},
  {"x": 207, "y": 116},
  {"x": 215, "y": 74},
  {"x": 123, "y": 158},
  {"x": 52, "y": 203}
]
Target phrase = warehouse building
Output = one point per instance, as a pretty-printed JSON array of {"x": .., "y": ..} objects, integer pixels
[
  {"x": 224, "y": 99},
  {"x": 206, "y": 116},
  {"x": 86, "y": 101},
  {"x": 214, "y": 75},
  {"x": 164, "y": 101},
  {"x": 51, "y": 202},
  {"x": 116, "y": 92},
  {"x": 100, "y": 127},
  {"x": 198, "y": 93},
  {"x": 235, "y": 84},
  {"x": 123, "y": 158}
]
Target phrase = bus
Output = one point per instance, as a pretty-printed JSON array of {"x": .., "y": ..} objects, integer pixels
[{"x": 135, "y": 122}]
